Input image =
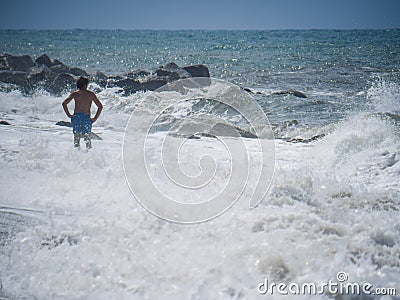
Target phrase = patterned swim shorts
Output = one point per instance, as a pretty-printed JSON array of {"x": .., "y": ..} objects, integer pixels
[{"x": 81, "y": 123}]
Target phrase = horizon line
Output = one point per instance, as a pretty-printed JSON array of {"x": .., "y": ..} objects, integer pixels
[{"x": 200, "y": 29}]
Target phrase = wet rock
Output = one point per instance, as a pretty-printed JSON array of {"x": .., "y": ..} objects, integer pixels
[
  {"x": 78, "y": 72},
  {"x": 61, "y": 68},
  {"x": 138, "y": 74},
  {"x": 250, "y": 91},
  {"x": 19, "y": 63},
  {"x": 167, "y": 73},
  {"x": 312, "y": 139},
  {"x": 172, "y": 71},
  {"x": 130, "y": 86},
  {"x": 63, "y": 82},
  {"x": 57, "y": 77},
  {"x": 153, "y": 85},
  {"x": 17, "y": 78},
  {"x": 294, "y": 93},
  {"x": 222, "y": 129},
  {"x": 47, "y": 61},
  {"x": 4, "y": 123},
  {"x": 64, "y": 123},
  {"x": 39, "y": 74},
  {"x": 100, "y": 76},
  {"x": 298, "y": 94},
  {"x": 197, "y": 70},
  {"x": 13, "y": 77}
]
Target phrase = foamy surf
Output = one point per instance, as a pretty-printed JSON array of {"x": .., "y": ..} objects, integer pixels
[{"x": 333, "y": 207}]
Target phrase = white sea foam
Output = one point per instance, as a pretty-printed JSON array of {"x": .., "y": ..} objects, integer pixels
[{"x": 334, "y": 206}]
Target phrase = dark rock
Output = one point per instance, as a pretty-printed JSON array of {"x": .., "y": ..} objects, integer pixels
[
  {"x": 47, "y": 61},
  {"x": 4, "y": 123},
  {"x": 153, "y": 85},
  {"x": 130, "y": 86},
  {"x": 171, "y": 66},
  {"x": 15, "y": 77},
  {"x": 171, "y": 75},
  {"x": 250, "y": 91},
  {"x": 57, "y": 77},
  {"x": 222, "y": 129},
  {"x": 115, "y": 78},
  {"x": 44, "y": 59},
  {"x": 197, "y": 71},
  {"x": 198, "y": 136},
  {"x": 312, "y": 139},
  {"x": 184, "y": 85},
  {"x": 39, "y": 74},
  {"x": 64, "y": 123},
  {"x": 142, "y": 73},
  {"x": 294, "y": 93},
  {"x": 78, "y": 72},
  {"x": 173, "y": 72},
  {"x": 19, "y": 63},
  {"x": 100, "y": 76},
  {"x": 61, "y": 68},
  {"x": 194, "y": 137},
  {"x": 298, "y": 94},
  {"x": 62, "y": 83},
  {"x": 208, "y": 135},
  {"x": 137, "y": 74}
]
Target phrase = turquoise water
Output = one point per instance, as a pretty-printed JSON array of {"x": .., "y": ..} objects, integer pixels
[
  {"x": 334, "y": 68},
  {"x": 229, "y": 54}
]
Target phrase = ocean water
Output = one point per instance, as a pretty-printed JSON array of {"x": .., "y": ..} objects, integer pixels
[{"x": 71, "y": 229}]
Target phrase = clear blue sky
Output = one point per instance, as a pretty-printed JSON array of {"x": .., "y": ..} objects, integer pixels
[{"x": 200, "y": 14}]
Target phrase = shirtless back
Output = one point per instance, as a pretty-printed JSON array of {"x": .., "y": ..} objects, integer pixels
[
  {"x": 83, "y": 101},
  {"x": 81, "y": 120}
]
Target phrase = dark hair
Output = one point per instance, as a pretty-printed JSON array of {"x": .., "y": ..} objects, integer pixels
[{"x": 82, "y": 81}]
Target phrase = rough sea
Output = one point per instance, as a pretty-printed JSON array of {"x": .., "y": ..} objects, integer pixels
[{"x": 70, "y": 227}]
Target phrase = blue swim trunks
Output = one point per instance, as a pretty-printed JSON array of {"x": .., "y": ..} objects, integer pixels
[{"x": 81, "y": 123}]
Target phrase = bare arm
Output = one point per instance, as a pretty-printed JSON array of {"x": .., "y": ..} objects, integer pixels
[
  {"x": 99, "y": 108},
  {"x": 65, "y": 103}
]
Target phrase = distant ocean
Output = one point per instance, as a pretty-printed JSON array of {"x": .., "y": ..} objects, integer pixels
[{"x": 70, "y": 229}]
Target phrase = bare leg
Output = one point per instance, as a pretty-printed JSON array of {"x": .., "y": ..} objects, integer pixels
[
  {"x": 77, "y": 137},
  {"x": 87, "y": 140}
]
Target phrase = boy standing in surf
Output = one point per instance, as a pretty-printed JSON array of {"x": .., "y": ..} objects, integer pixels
[{"x": 81, "y": 121}]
